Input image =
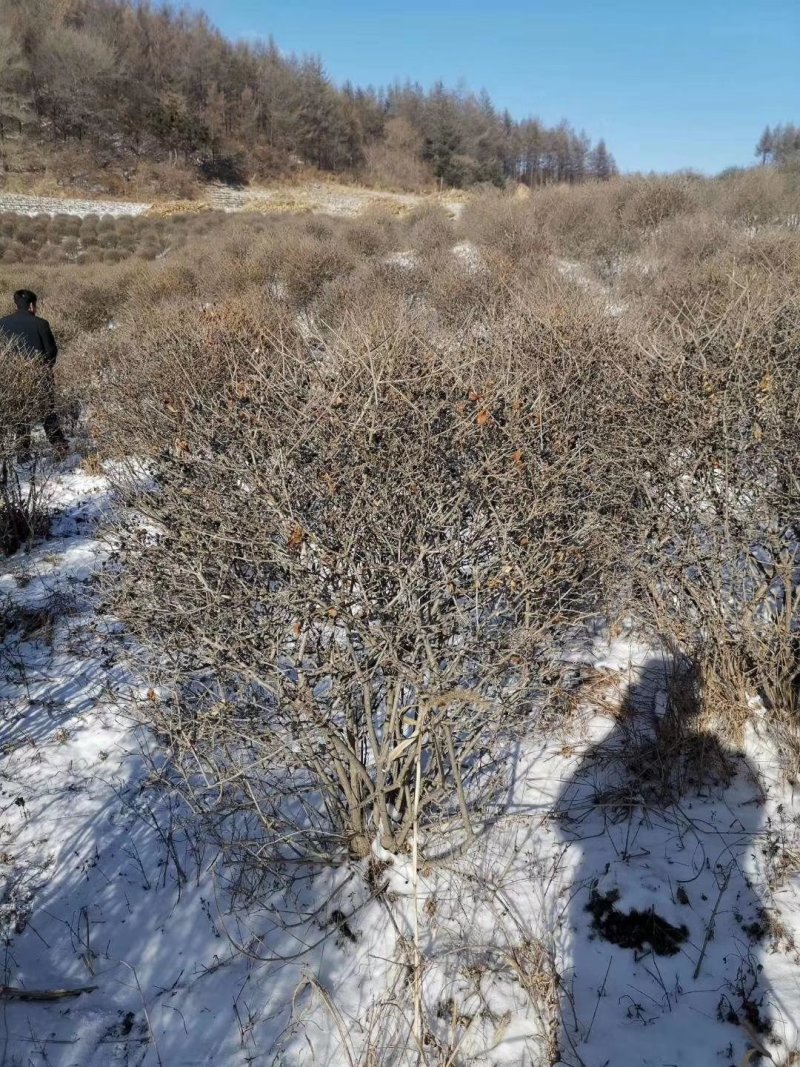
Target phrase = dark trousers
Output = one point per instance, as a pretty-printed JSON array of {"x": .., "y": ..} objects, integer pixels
[{"x": 51, "y": 424}]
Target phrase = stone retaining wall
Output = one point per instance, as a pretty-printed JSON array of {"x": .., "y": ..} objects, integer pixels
[{"x": 18, "y": 204}]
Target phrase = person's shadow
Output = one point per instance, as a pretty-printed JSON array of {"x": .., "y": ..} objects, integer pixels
[{"x": 665, "y": 924}]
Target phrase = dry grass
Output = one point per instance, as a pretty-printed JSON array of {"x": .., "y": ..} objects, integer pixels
[{"x": 166, "y": 209}]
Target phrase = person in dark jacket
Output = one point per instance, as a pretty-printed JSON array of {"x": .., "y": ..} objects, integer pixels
[{"x": 33, "y": 338}]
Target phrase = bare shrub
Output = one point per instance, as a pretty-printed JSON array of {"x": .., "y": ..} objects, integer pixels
[
  {"x": 14, "y": 252},
  {"x": 651, "y": 201},
  {"x": 690, "y": 239},
  {"x": 373, "y": 293},
  {"x": 430, "y": 229},
  {"x": 70, "y": 227},
  {"x": 24, "y": 397},
  {"x": 715, "y": 547},
  {"x": 89, "y": 223},
  {"x": 698, "y": 475},
  {"x": 308, "y": 262},
  {"x": 585, "y": 221},
  {"x": 373, "y": 233},
  {"x": 25, "y": 231},
  {"x": 166, "y": 180},
  {"x": 148, "y": 249},
  {"x": 364, "y": 564},
  {"x": 756, "y": 196},
  {"x": 508, "y": 224},
  {"x": 138, "y": 375},
  {"x": 466, "y": 299},
  {"x": 125, "y": 228},
  {"x": 690, "y": 268},
  {"x": 52, "y": 253},
  {"x": 87, "y": 300},
  {"x": 149, "y": 285}
]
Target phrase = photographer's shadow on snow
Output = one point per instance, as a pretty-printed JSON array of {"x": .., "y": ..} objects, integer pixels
[{"x": 666, "y": 926}]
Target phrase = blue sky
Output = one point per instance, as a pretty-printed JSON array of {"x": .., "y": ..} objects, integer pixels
[{"x": 668, "y": 83}]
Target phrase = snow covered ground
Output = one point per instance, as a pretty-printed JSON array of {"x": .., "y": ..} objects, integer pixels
[
  {"x": 488, "y": 958},
  {"x": 20, "y": 204},
  {"x": 323, "y": 198}
]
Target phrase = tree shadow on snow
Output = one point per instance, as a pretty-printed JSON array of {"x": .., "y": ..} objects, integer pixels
[{"x": 666, "y": 924}]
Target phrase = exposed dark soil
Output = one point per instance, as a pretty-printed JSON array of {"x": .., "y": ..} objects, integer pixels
[{"x": 634, "y": 929}]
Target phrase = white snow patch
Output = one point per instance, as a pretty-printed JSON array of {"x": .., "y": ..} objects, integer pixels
[
  {"x": 470, "y": 255},
  {"x": 406, "y": 260},
  {"x": 579, "y": 274}
]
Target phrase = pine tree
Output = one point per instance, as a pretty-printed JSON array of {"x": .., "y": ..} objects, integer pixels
[
  {"x": 601, "y": 162},
  {"x": 442, "y": 140},
  {"x": 765, "y": 145}
]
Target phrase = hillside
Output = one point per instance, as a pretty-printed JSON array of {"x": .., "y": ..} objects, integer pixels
[{"x": 132, "y": 99}]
